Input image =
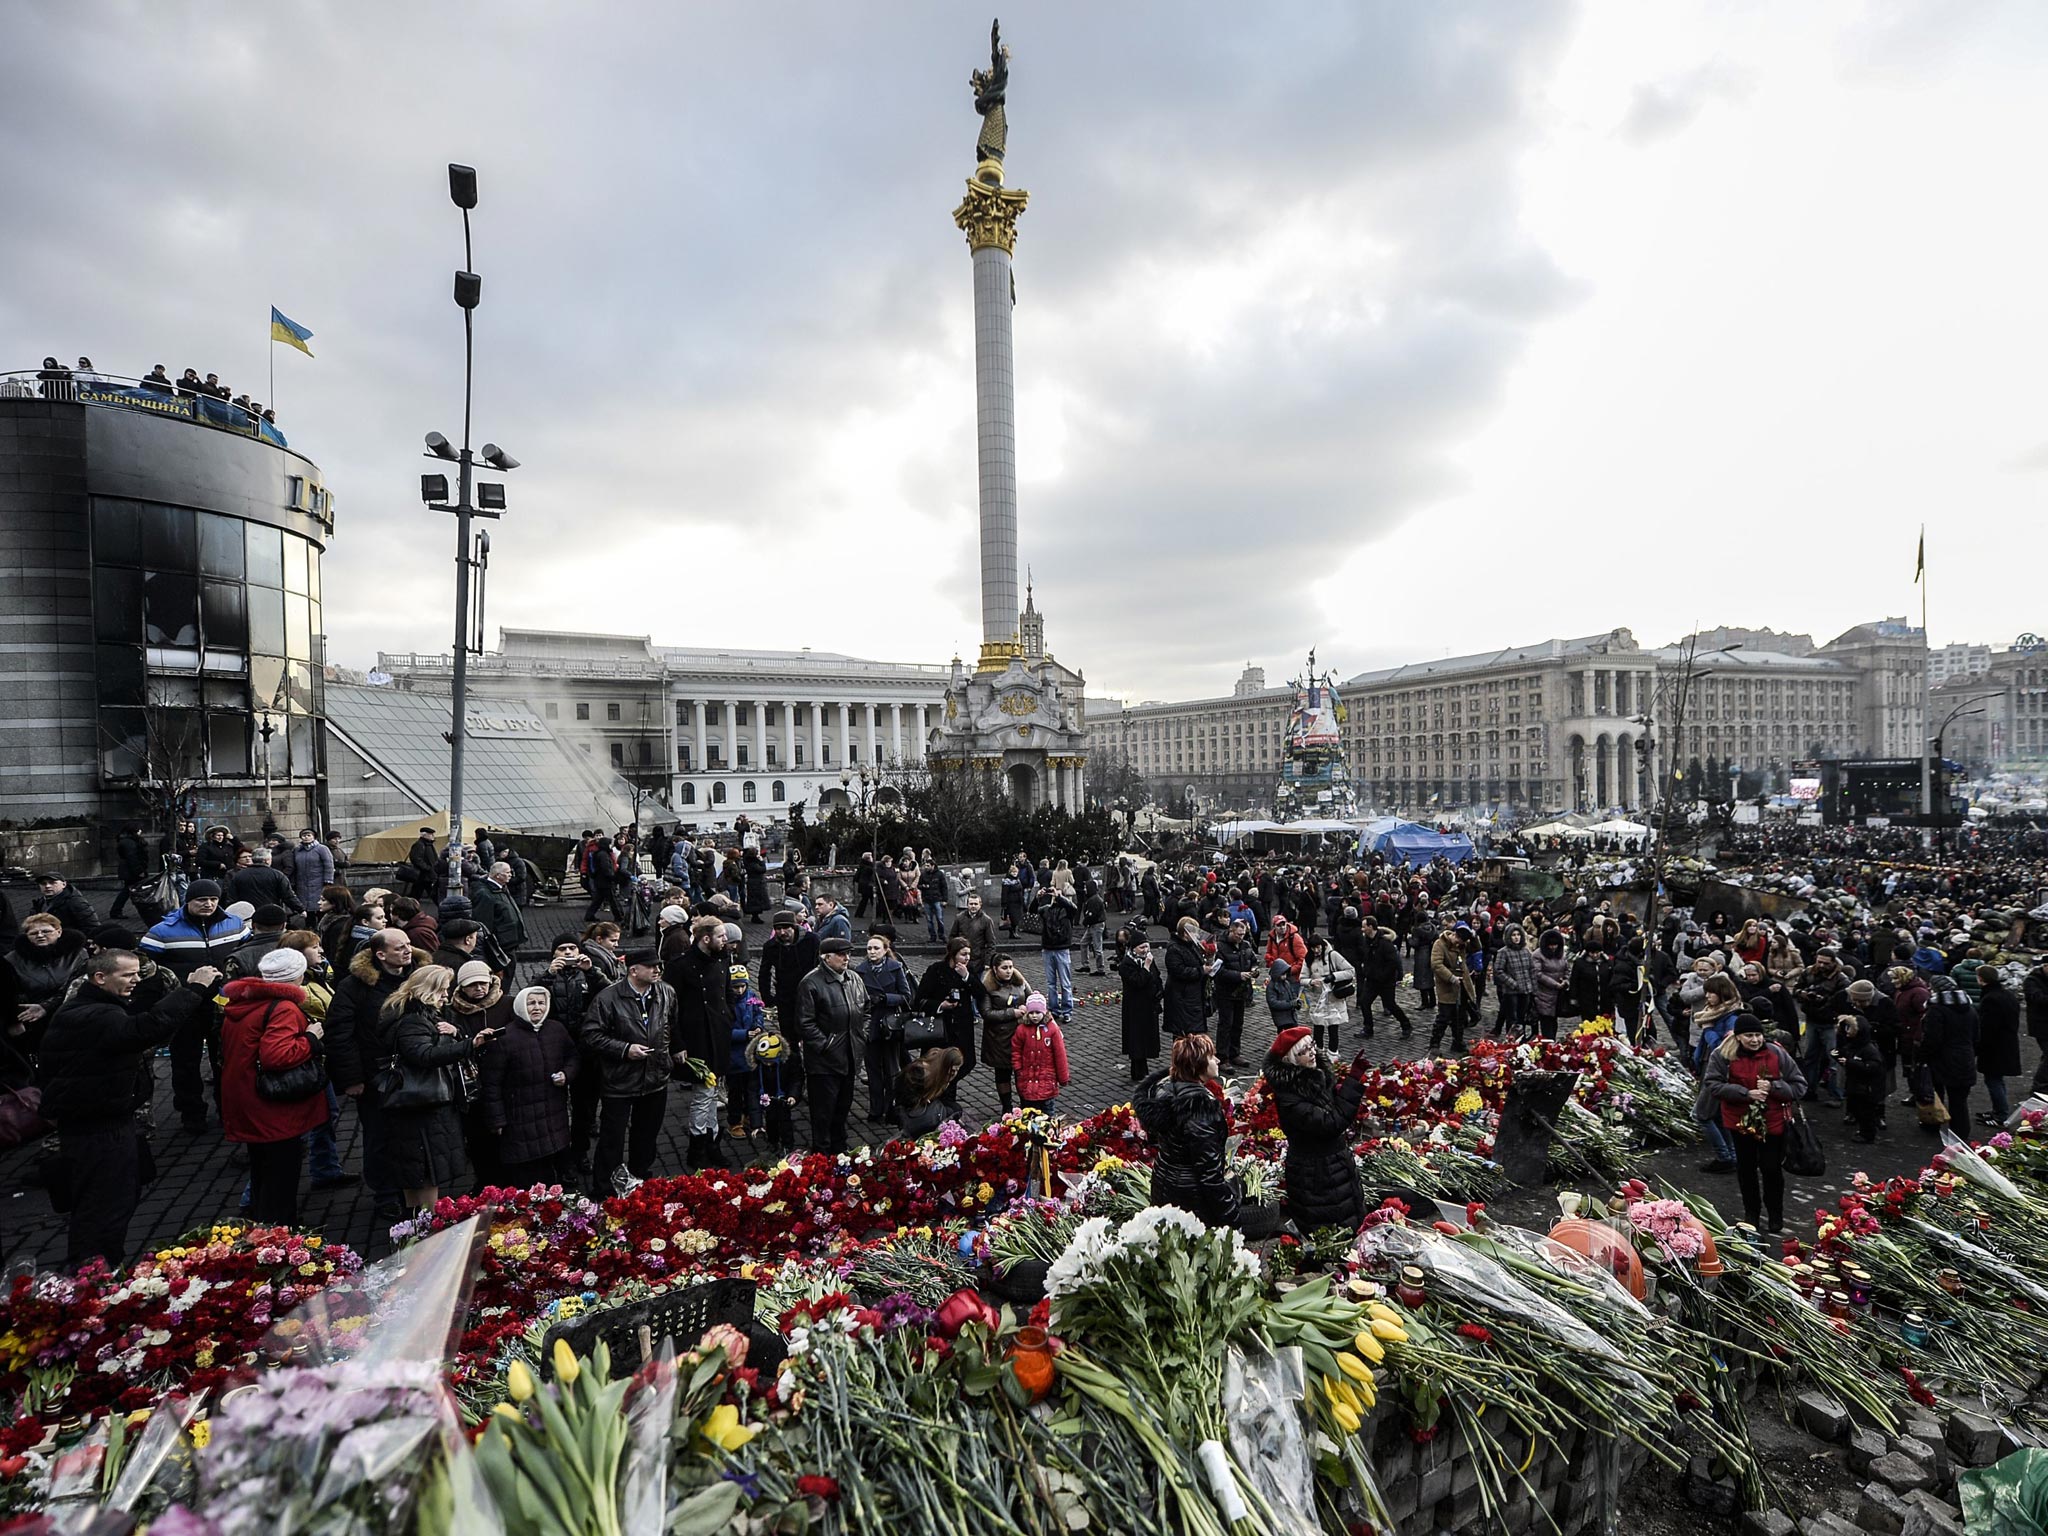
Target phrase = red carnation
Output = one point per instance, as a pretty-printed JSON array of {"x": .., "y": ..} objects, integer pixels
[{"x": 815, "y": 1485}]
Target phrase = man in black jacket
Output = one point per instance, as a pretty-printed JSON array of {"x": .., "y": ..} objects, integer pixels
[
  {"x": 131, "y": 863},
  {"x": 421, "y": 861},
  {"x": 1233, "y": 983},
  {"x": 703, "y": 1021},
  {"x": 1379, "y": 975},
  {"x": 95, "y": 1075},
  {"x": 55, "y": 896},
  {"x": 259, "y": 884},
  {"x": 790, "y": 955},
  {"x": 832, "y": 1022},
  {"x": 977, "y": 928},
  {"x": 374, "y": 973}
]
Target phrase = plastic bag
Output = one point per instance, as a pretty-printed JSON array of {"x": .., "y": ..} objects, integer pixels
[
  {"x": 160, "y": 1438},
  {"x": 1260, "y": 1394},
  {"x": 1968, "y": 1162},
  {"x": 2007, "y": 1499},
  {"x": 650, "y": 1409},
  {"x": 411, "y": 1306}
]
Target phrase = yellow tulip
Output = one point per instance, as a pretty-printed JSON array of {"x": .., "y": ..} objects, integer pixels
[
  {"x": 507, "y": 1411},
  {"x": 1367, "y": 1394},
  {"x": 567, "y": 1366},
  {"x": 1370, "y": 1347},
  {"x": 1346, "y": 1419},
  {"x": 722, "y": 1427},
  {"x": 1352, "y": 1366},
  {"x": 1381, "y": 1310},
  {"x": 1392, "y": 1333},
  {"x": 519, "y": 1381}
]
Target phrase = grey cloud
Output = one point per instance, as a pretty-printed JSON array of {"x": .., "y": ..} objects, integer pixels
[{"x": 1663, "y": 109}]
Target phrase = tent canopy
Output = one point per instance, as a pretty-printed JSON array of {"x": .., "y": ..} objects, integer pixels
[
  {"x": 1552, "y": 829},
  {"x": 392, "y": 844},
  {"x": 1406, "y": 843},
  {"x": 1619, "y": 827}
]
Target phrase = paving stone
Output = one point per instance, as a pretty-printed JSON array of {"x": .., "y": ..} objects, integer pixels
[
  {"x": 1901, "y": 1472},
  {"x": 1880, "y": 1510},
  {"x": 1435, "y": 1487},
  {"x": 1865, "y": 1446},
  {"x": 1938, "y": 1517},
  {"x": 1973, "y": 1438},
  {"x": 1824, "y": 1417},
  {"x": 1767, "y": 1522}
]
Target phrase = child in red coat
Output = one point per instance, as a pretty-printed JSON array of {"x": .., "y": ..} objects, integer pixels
[{"x": 1038, "y": 1052}]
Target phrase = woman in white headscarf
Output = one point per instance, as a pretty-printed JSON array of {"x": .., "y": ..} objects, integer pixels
[{"x": 525, "y": 1095}]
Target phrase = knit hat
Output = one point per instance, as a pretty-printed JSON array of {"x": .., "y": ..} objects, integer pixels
[
  {"x": 670, "y": 916},
  {"x": 282, "y": 965},
  {"x": 472, "y": 970},
  {"x": 270, "y": 915},
  {"x": 1861, "y": 992},
  {"x": 1035, "y": 1003},
  {"x": 738, "y": 973},
  {"x": 114, "y": 936},
  {"x": 1287, "y": 1040},
  {"x": 242, "y": 909}
]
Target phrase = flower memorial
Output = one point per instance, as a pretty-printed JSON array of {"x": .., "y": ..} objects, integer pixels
[{"x": 1170, "y": 1377}]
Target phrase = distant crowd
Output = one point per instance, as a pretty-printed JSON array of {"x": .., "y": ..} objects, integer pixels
[{"x": 54, "y": 381}]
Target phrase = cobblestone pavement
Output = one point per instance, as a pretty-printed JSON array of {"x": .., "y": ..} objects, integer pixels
[{"x": 200, "y": 1178}]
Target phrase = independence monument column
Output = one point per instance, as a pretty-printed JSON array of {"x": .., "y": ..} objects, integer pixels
[
  {"x": 988, "y": 217},
  {"x": 1017, "y": 717}
]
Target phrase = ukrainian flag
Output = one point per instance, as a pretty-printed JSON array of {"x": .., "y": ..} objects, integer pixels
[{"x": 290, "y": 332}]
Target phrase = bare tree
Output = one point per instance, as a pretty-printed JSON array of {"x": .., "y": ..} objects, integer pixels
[{"x": 164, "y": 755}]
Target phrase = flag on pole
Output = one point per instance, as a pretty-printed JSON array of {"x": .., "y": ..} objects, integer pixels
[
  {"x": 290, "y": 332},
  {"x": 1920, "y": 560}
]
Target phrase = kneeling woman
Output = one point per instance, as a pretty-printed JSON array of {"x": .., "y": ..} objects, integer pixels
[
  {"x": 1181, "y": 1110},
  {"x": 1317, "y": 1113}
]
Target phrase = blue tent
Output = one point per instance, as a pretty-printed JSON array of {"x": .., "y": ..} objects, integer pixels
[{"x": 1406, "y": 843}]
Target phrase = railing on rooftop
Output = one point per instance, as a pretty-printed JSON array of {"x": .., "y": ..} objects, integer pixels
[
  {"x": 156, "y": 399},
  {"x": 398, "y": 664}
]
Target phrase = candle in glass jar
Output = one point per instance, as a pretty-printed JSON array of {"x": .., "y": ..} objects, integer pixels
[
  {"x": 1410, "y": 1289},
  {"x": 1914, "y": 1330}
]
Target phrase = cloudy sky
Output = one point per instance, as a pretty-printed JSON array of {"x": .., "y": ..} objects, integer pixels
[{"x": 1398, "y": 330}]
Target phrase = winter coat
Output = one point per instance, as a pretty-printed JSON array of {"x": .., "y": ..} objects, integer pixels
[
  {"x": 703, "y": 1001},
  {"x": 1949, "y": 1038},
  {"x": 94, "y": 1064},
  {"x": 785, "y": 963},
  {"x": 352, "y": 1028},
  {"x": 1731, "y": 1075},
  {"x": 494, "y": 907},
  {"x": 889, "y": 992},
  {"x": 217, "y": 858},
  {"x": 1451, "y": 971},
  {"x": 312, "y": 871},
  {"x": 265, "y": 1027},
  {"x": 1186, "y": 989},
  {"x": 757, "y": 900},
  {"x": 955, "y": 1001},
  {"x": 1998, "y": 1040},
  {"x": 69, "y": 908},
  {"x": 1553, "y": 971},
  {"x": 1002, "y": 1010},
  {"x": 832, "y": 1021},
  {"x": 1039, "y": 1055},
  {"x": 423, "y": 1147},
  {"x": 1283, "y": 994},
  {"x": 1144, "y": 989},
  {"x": 131, "y": 858},
  {"x": 520, "y": 1102},
  {"x": 2035, "y": 991},
  {"x": 1316, "y": 1114},
  {"x": 1381, "y": 966},
  {"x": 261, "y": 885},
  {"x": 42, "y": 972},
  {"x": 1583, "y": 991},
  {"x": 1186, "y": 1123},
  {"x": 1058, "y": 912},
  {"x": 979, "y": 930},
  {"x": 1514, "y": 971},
  {"x": 1862, "y": 1070},
  {"x": 182, "y": 943},
  {"x": 1910, "y": 1003},
  {"x": 1293, "y": 949},
  {"x": 618, "y": 1019},
  {"x": 1319, "y": 977},
  {"x": 1240, "y": 963}
]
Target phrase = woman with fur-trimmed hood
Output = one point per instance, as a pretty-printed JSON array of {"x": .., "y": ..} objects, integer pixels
[{"x": 1317, "y": 1112}]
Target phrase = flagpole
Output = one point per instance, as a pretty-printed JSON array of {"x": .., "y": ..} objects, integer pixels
[{"x": 1926, "y": 769}]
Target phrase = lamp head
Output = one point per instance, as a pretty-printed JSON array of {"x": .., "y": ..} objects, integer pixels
[
  {"x": 469, "y": 290},
  {"x": 440, "y": 447},
  {"x": 490, "y": 496},
  {"x": 498, "y": 458},
  {"x": 434, "y": 490},
  {"x": 462, "y": 186}
]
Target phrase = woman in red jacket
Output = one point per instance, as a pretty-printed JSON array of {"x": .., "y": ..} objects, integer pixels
[{"x": 266, "y": 1027}]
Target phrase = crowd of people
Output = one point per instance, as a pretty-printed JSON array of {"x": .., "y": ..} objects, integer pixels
[
  {"x": 288, "y": 1000},
  {"x": 56, "y": 381}
]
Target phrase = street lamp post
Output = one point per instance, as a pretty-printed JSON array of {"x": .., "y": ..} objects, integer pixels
[
  {"x": 1935, "y": 775},
  {"x": 266, "y": 728},
  {"x": 488, "y": 501}
]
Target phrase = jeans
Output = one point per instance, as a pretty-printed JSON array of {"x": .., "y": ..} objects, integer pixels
[
  {"x": 630, "y": 1132},
  {"x": 1229, "y": 1025},
  {"x": 274, "y": 1181},
  {"x": 1387, "y": 995},
  {"x": 2000, "y": 1105},
  {"x": 1718, "y": 1139},
  {"x": 1059, "y": 983},
  {"x": 743, "y": 1099},
  {"x": 600, "y": 898},
  {"x": 323, "y": 1155},
  {"x": 1761, "y": 1159},
  {"x": 1817, "y": 1059},
  {"x": 1517, "y": 1012},
  {"x": 1093, "y": 954},
  {"x": 884, "y": 1061},
  {"x": 935, "y": 921},
  {"x": 106, "y": 1184},
  {"x": 1451, "y": 1015},
  {"x": 384, "y": 1194},
  {"x": 831, "y": 1096}
]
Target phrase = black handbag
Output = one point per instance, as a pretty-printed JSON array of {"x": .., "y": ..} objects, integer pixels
[
  {"x": 289, "y": 1085},
  {"x": 399, "y": 1085},
  {"x": 922, "y": 1032},
  {"x": 1804, "y": 1156}
]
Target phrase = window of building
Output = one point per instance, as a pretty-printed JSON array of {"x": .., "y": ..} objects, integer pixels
[
  {"x": 824, "y": 755},
  {"x": 798, "y": 760},
  {"x": 743, "y": 714},
  {"x": 775, "y": 790},
  {"x": 689, "y": 795},
  {"x": 611, "y": 711},
  {"x": 747, "y": 792},
  {"x": 718, "y": 793},
  {"x": 741, "y": 758},
  {"x": 552, "y": 710},
  {"x": 582, "y": 711},
  {"x": 774, "y": 760},
  {"x": 618, "y": 754}
]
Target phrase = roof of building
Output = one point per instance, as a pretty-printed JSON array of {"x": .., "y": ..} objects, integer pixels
[
  {"x": 1609, "y": 642},
  {"x": 516, "y": 773},
  {"x": 1283, "y": 695},
  {"x": 1745, "y": 659},
  {"x": 700, "y": 658}
]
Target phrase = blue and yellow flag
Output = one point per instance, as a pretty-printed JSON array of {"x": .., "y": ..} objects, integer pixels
[{"x": 290, "y": 332}]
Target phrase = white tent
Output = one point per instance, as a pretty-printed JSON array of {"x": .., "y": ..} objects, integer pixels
[
  {"x": 1620, "y": 827},
  {"x": 1552, "y": 829}
]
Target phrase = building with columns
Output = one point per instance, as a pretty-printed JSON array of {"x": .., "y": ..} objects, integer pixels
[{"x": 713, "y": 733}]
